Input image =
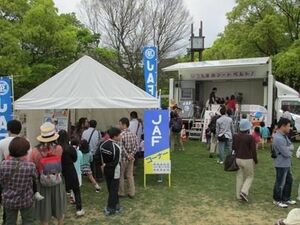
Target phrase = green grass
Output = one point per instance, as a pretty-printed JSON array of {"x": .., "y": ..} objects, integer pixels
[{"x": 201, "y": 193}]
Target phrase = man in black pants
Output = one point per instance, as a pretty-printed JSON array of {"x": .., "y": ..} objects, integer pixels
[{"x": 110, "y": 154}]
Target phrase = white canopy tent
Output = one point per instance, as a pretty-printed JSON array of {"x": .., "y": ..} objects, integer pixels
[{"x": 85, "y": 86}]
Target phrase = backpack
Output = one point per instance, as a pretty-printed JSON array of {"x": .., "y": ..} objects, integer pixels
[
  {"x": 50, "y": 169},
  {"x": 273, "y": 153},
  {"x": 177, "y": 125},
  {"x": 213, "y": 124}
]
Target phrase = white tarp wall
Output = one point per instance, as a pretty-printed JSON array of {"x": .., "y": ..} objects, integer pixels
[{"x": 104, "y": 117}]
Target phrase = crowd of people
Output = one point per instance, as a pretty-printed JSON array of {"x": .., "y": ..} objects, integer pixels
[
  {"x": 35, "y": 181},
  {"x": 244, "y": 144}
]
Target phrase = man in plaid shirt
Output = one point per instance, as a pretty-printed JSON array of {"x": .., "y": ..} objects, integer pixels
[
  {"x": 16, "y": 177},
  {"x": 129, "y": 146}
]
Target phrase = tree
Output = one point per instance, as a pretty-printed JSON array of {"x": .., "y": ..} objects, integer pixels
[
  {"x": 262, "y": 28},
  {"x": 36, "y": 42},
  {"x": 129, "y": 25}
]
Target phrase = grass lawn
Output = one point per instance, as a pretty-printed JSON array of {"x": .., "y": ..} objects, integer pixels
[{"x": 201, "y": 193}]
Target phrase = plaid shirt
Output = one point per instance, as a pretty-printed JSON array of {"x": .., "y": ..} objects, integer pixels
[
  {"x": 17, "y": 184},
  {"x": 129, "y": 144}
]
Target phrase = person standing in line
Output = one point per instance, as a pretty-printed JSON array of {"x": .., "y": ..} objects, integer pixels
[
  {"x": 68, "y": 158},
  {"x": 77, "y": 165},
  {"x": 17, "y": 177},
  {"x": 265, "y": 134},
  {"x": 231, "y": 104},
  {"x": 284, "y": 150},
  {"x": 85, "y": 165},
  {"x": 129, "y": 146},
  {"x": 54, "y": 203},
  {"x": 246, "y": 158},
  {"x": 110, "y": 155},
  {"x": 224, "y": 133},
  {"x": 257, "y": 136},
  {"x": 176, "y": 127},
  {"x": 212, "y": 96},
  {"x": 14, "y": 128},
  {"x": 81, "y": 126},
  {"x": 214, "y": 141},
  {"x": 93, "y": 137},
  {"x": 136, "y": 127}
]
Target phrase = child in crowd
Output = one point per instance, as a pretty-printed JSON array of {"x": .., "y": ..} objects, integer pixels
[
  {"x": 110, "y": 153},
  {"x": 256, "y": 136},
  {"x": 17, "y": 177},
  {"x": 183, "y": 133},
  {"x": 265, "y": 134},
  {"x": 77, "y": 164},
  {"x": 87, "y": 158}
]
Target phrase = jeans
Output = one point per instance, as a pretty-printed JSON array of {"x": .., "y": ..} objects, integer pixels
[
  {"x": 26, "y": 214},
  {"x": 283, "y": 184},
  {"x": 222, "y": 145},
  {"x": 113, "y": 188},
  {"x": 127, "y": 171}
]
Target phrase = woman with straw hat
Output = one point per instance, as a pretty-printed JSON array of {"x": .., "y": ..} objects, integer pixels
[{"x": 54, "y": 203}]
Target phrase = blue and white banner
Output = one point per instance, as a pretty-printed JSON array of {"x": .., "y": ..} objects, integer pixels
[
  {"x": 150, "y": 69},
  {"x": 6, "y": 104},
  {"x": 157, "y": 147}
]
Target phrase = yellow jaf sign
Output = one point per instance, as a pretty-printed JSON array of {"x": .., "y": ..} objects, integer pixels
[{"x": 157, "y": 147}]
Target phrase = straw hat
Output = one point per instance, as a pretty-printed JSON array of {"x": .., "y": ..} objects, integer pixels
[
  {"x": 48, "y": 133},
  {"x": 293, "y": 217}
]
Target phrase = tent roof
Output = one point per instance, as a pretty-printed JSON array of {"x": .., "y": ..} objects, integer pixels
[
  {"x": 86, "y": 84},
  {"x": 218, "y": 63}
]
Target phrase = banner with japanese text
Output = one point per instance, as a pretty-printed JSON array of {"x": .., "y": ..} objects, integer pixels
[
  {"x": 150, "y": 69},
  {"x": 157, "y": 146},
  {"x": 6, "y": 104}
]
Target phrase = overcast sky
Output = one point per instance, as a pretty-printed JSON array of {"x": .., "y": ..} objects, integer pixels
[{"x": 212, "y": 12}]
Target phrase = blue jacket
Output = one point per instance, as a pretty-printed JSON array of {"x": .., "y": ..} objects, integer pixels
[{"x": 284, "y": 150}]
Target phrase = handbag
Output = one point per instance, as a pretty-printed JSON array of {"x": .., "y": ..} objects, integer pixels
[
  {"x": 230, "y": 163},
  {"x": 222, "y": 138}
]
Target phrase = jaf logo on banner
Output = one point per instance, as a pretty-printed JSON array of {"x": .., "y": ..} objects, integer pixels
[
  {"x": 150, "y": 70},
  {"x": 157, "y": 149},
  {"x": 6, "y": 108}
]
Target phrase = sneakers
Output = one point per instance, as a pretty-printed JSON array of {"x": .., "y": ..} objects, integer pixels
[
  {"x": 244, "y": 197},
  {"x": 80, "y": 213},
  {"x": 108, "y": 212},
  {"x": 290, "y": 202},
  {"x": 38, "y": 196},
  {"x": 119, "y": 209},
  {"x": 98, "y": 188},
  {"x": 280, "y": 204}
]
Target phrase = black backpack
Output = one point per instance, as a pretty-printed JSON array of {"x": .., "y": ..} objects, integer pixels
[
  {"x": 273, "y": 153},
  {"x": 213, "y": 124},
  {"x": 177, "y": 124}
]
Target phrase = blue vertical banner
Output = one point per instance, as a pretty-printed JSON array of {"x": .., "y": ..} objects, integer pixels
[
  {"x": 157, "y": 147},
  {"x": 150, "y": 69},
  {"x": 6, "y": 104}
]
